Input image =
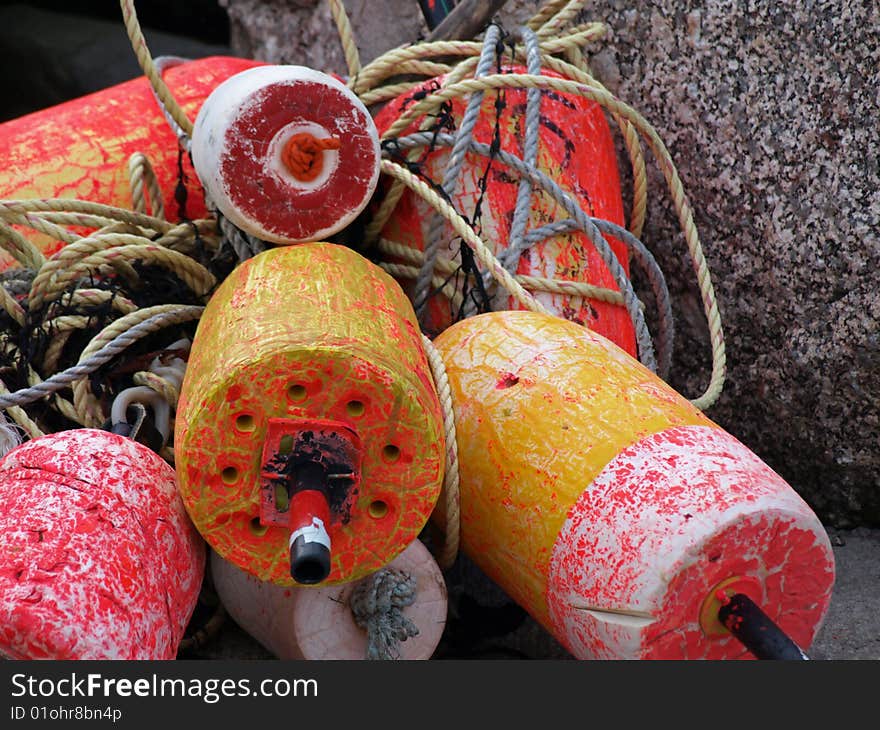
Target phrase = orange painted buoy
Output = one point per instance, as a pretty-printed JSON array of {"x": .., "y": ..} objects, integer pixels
[
  {"x": 576, "y": 150},
  {"x": 318, "y": 623},
  {"x": 308, "y": 438},
  {"x": 612, "y": 509},
  {"x": 80, "y": 149}
]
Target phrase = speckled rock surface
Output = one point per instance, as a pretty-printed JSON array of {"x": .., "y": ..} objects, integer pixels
[{"x": 769, "y": 110}]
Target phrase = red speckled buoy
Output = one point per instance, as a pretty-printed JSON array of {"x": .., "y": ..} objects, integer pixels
[
  {"x": 98, "y": 559},
  {"x": 613, "y": 510},
  {"x": 287, "y": 153},
  {"x": 80, "y": 149},
  {"x": 575, "y": 150},
  {"x": 317, "y": 623}
]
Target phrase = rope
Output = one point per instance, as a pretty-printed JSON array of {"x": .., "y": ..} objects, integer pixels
[
  {"x": 139, "y": 44},
  {"x": 303, "y": 155},
  {"x": 448, "y": 550},
  {"x": 606, "y": 100},
  {"x": 377, "y": 604}
]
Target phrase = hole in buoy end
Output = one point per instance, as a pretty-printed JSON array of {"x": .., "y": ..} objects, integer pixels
[
  {"x": 355, "y": 408},
  {"x": 391, "y": 453},
  {"x": 257, "y": 528},
  {"x": 245, "y": 422},
  {"x": 297, "y": 393},
  {"x": 229, "y": 475},
  {"x": 378, "y": 509}
]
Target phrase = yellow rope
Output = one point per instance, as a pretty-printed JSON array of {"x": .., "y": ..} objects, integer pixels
[
  {"x": 450, "y": 496},
  {"x": 346, "y": 37},
  {"x": 139, "y": 44}
]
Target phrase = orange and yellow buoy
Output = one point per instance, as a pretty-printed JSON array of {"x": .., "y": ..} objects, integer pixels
[
  {"x": 611, "y": 508},
  {"x": 309, "y": 437}
]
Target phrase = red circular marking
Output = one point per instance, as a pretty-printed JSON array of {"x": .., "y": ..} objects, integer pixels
[{"x": 280, "y": 206}]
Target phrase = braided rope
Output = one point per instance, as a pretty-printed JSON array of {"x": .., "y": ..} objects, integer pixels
[
  {"x": 346, "y": 37},
  {"x": 139, "y": 44},
  {"x": 450, "y": 496},
  {"x": 102, "y": 354},
  {"x": 140, "y": 171}
]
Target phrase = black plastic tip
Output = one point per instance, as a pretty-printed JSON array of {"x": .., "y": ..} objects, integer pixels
[
  {"x": 309, "y": 561},
  {"x": 756, "y": 631}
]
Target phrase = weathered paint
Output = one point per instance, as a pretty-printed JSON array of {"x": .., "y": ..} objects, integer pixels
[
  {"x": 317, "y": 623},
  {"x": 313, "y": 331},
  {"x": 240, "y": 136},
  {"x": 577, "y": 151},
  {"x": 607, "y": 505},
  {"x": 98, "y": 559},
  {"x": 80, "y": 149}
]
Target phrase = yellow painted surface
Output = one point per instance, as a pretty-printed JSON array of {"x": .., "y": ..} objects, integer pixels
[
  {"x": 304, "y": 332},
  {"x": 541, "y": 406}
]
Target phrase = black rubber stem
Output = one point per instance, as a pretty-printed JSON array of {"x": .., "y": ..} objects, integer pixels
[{"x": 756, "y": 631}]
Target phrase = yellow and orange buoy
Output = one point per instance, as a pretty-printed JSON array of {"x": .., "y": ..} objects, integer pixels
[
  {"x": 611, "y": 508},
  {"x": 309, "y": 437}
]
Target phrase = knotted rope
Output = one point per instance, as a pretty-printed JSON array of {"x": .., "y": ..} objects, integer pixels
[{"x": 377, "y": 604}]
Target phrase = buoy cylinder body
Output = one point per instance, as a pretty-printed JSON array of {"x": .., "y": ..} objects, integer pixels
[
  {"x": 98, "y": 558},
  {"x": 308, "y": 360},
  {"x": 287, "y": 153},
  {"x": 317, "y": 623},
  {"x": 612, "y": 509},
  {"x": 576, "y": 150},
  {"x": 80, "y": 149}
]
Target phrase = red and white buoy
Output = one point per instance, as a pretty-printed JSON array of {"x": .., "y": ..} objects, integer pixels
[
  {"x": 98, "y": 559},
  {"x": 318, "y": 623},
  {"x": 287, "y": 153}
]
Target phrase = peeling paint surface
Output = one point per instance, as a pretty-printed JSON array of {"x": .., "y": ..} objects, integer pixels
[
  {"x": 608, "y": 506},
  {"x": 312, "y": 331},
  {"x": 98, "y": 558},
  {"x": 665, "y": 522}
]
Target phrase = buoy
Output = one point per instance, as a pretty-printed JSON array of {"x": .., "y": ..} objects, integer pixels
[
  {"x": 613, "y": 510},
  {"x": 287, "y": 153},
  {"x": 575, "y": 149},
  {"x": 308, "y": 436},
  {"x": 81, "y": 148},
  {"x": 98, "y": 559},
  {"x": 319, "y": 623}
]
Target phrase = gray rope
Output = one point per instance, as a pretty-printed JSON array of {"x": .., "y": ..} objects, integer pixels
[
  {"x": 244, "y": 244},
  {"x": 105, "y": 354},
  {"x": 645, "y": 260},
  {"x": 377, "y": 604},
  {"x": 631, "y": 301},
  {"x": 17, "y": 281},
  {"x": 463, "y": 138},
  {"x": 510, "y": 258}
]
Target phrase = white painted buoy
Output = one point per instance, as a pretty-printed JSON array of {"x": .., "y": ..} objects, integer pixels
[
  {"x": 317, "y": 622},
  {"x": 287, "y": 153}
]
